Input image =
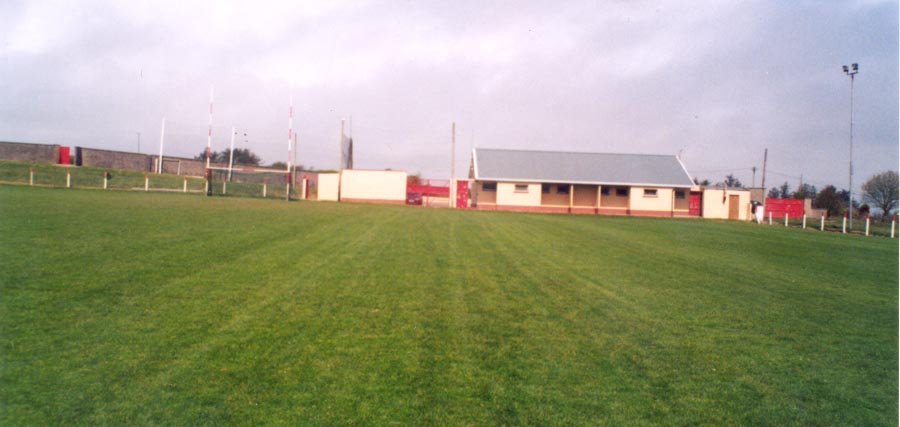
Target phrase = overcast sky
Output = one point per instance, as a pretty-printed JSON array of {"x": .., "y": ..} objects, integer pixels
[{"x": 717, "y": 80}]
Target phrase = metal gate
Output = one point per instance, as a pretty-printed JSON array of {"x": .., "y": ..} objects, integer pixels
[{"x": 462, "y": 194}]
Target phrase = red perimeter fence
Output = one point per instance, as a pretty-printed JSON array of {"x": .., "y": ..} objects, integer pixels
[
  {"x": 426, "y": 188},
  {"x": 778, "y": 207}
]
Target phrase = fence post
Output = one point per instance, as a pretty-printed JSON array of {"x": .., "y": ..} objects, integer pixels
[
  {"x": 770, "y": 217},
  {"x": 804, "y": 221},
  {"x": 184, "y": 188},
  {"x": 844, "y": 227},
  {"x": 68, "y": 178},
  {"x": 868, "y": 218},
  {"x": 105, "y": 178},
  {"x": 31, "y": 176},
  {"x": 893, "y": 223},
  {"x": 822, "y": 227},
  {"x": 146, "y": 182},
  {"x": 264, "y": 189},
  {"x": 785, "y": 219},
  {"x": 224, "y": 189}
]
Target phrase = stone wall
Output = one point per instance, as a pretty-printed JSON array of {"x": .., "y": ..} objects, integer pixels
[
  {"x": 112, "y": 159},
  {"x": 24, "y": 152}
]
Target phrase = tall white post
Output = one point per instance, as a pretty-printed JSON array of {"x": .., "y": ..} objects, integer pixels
[
  {"x": 452, "y": 194},
  {"x": 290, "y": 139},
  {"x": 770, "y": 217},
  {"x": 231, "y": 156},
  {"x": 184, "y": 186},
  {"x": 822, "y": 226},
  {"x": 868, "y": 218},
  {"x": 30, "y": 176},
  {"x": 893, "y": 224},
  {"x": 105, "y": 176},
  {"x": 146, "y": 182},
  {"x": 804, "y": 221},
  {"x": 209, "y": 143},
  {"x": 264, "y": 189},
  {"x": 68, "y": 179},
  {"x": 844, "y": 226},
  {"x": 785, "y": 219},
  {"x": 162, "y": 134}
]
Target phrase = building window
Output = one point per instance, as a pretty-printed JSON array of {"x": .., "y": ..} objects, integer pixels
[
  {"x": 489, "y": 186},
  {"x": 621, "y": 192},
  {"x": 545, "y": 188},
  {"x": 649, "y": 192},
  {"x": 604, "y": 191},
  {"x": 521, "y": 188},
  {"x": 679, "y": 194},
  {"x": 562, "y": 189}
]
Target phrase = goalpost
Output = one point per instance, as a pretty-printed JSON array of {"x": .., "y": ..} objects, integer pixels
[{"x": 251, "y": 181}]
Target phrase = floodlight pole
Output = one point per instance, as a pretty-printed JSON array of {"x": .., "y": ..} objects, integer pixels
[
  {"x": 231, "y": 156},
  {"x": 851, "y": 71}
]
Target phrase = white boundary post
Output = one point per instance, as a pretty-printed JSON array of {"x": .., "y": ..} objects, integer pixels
[
  {"x": 31, "y": 176},
  {"x": 68, "y": 179},
  {"x": 105, "y": 176},
  {"x": 184, "y": 188},
  {"x": 146, "y": 182},
  {"x": 868, "y": 218},
  {"x": 770, "y": 217},
  {"x": 785, "y": 219},
  {"x": 804, "y": 221},
  {"x": 822, "y": 227},
  {"x": 264, "y": 189},
  {"x": 224, "y": 188},
  {"x": 844, "y": 226},
  {"x": 893, "y": 224}
]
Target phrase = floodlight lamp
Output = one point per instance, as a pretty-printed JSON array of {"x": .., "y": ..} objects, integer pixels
[
  {"x": 846, "y": 69},
  {"x": 855, "y": 67}
]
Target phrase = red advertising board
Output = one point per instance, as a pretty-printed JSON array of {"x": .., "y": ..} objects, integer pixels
[{"x": 778, "y": 207}]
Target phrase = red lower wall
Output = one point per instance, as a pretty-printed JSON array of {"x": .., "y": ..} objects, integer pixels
[{"x": 580, "y": 210}]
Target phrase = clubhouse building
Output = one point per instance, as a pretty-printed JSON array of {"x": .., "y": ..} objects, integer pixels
[{"x": 596, "y": 183}]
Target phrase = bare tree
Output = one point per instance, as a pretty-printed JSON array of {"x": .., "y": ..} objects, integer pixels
[{"x": 881, "y": 190}]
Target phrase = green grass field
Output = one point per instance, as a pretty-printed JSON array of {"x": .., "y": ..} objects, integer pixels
[{"x": 132, "y": 308}]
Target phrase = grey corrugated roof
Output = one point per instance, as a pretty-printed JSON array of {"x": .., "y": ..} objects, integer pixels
[{"x": 579, "y": 168}]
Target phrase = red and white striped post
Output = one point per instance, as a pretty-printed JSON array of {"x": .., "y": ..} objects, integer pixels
[
  {"x": 844, "y": 227},
  {"x": 146, "y": 182},
  {"x": 868, "y": 219},
  {"x": 68, "y": 179}
]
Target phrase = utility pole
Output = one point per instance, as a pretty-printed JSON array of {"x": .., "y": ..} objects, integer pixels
[
  {"x": 452, "y": 194},
  {"x": 765, "y": 159},
  {"x": 851, "y": 71}
]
